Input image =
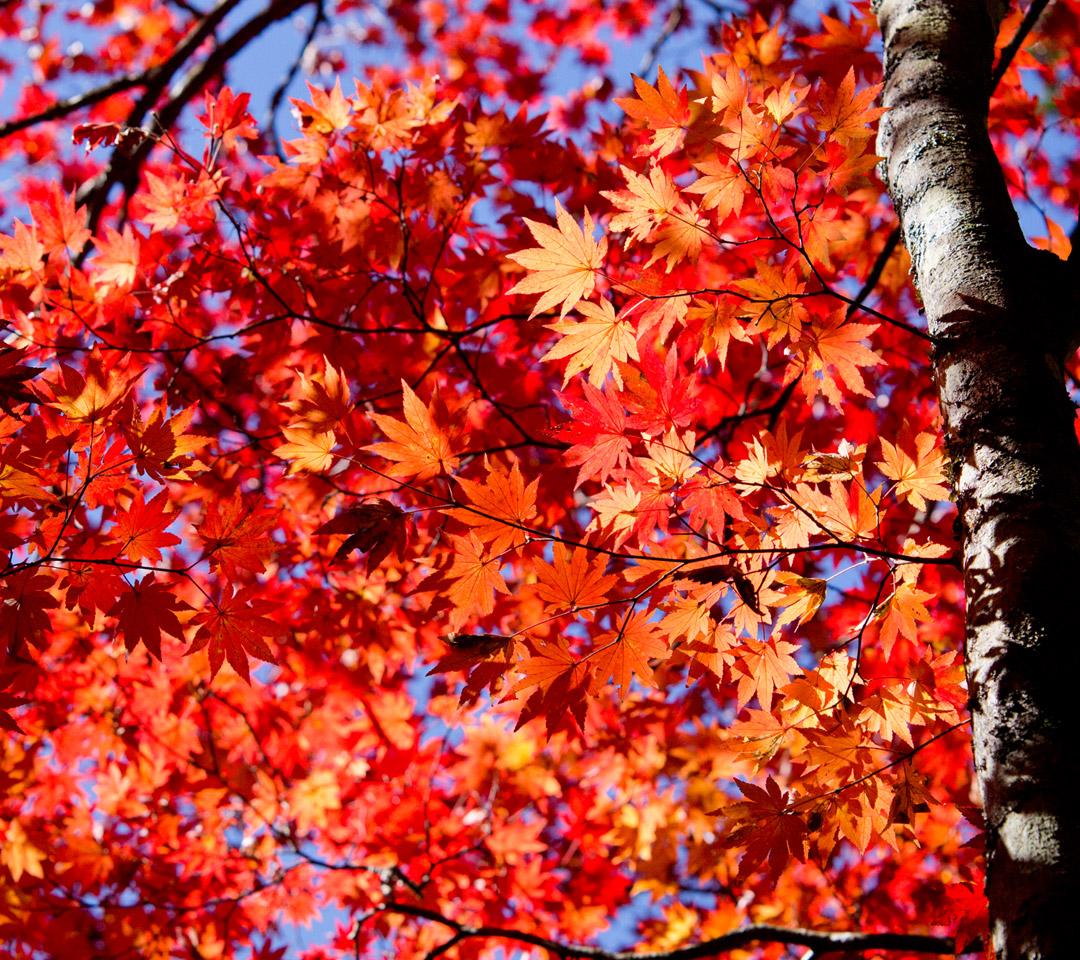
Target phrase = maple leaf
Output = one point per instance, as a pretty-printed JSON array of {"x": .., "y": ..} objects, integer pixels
[
  {"x": 768, "y": 827},
  {"x": 420, "y": 448},
  {"x": 853, "y": 513},
  {"x": 665, "y": 110},
  {"x": 597, "y": 428},
  {"x": 145, "y": 612},
  {"x": 326, "y": 113},
  {"x": 724, "y": 187},
  {"x": 324, "y": 398},
  {"x": 60, "y": 226},
  {"x": 12, "y": 378},
  {"x": 232, "y": 534},
  {"x": 226, "y": 117},
  {"x": 306, "y": 450},
  {"x": 802, "y": 596},
  {"x": 680, "y": 237},
  {"x": 628, "y": 651},
  {"x": 141, "y": 528},
  {"x": 474, "y": 579},
  {"x": 571, "y": 581},
  {"x": 561, "y": 683},
  {"x": 312, "y": 798},
  {"x": 22, "y": 253},
  {"x": 24, "y": 610},
  {"x": 117, "y": 260},
  {"x": 501, "y": 508},
  {"x": 832, "y": 345},
  {"x": 235, "y": 627},
  {"x": 764, "y": 667},
  {"x": 901, "y": 613},
  {"x": 90, "y": 398},
  {"x": 847, "y": 116},
  {"x": 920, "y": 477},
  {"x": 729, "y": 93},
  {"x": 375, "y": 527},
  {"x": 19, "y": 855},
  {"x": 773, "y": 302},
  {"x": 646, "y": 203},
  {"x": 162, "y": 445},
  {"x": 596, "y": 343},
  {"x": 564, "y": 267},
  {"x": 659, "y": 393},
  {"x": 485, "y": 659}
]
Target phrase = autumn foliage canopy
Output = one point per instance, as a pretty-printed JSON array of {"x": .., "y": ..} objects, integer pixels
[{"x": 474, "y": 514}]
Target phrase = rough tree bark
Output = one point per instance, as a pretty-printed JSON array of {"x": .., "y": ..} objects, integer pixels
[{"x": 1004, "y": 319}]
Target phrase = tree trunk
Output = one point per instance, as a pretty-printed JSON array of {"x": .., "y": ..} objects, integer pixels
[{"x": 1003, "y": 316}]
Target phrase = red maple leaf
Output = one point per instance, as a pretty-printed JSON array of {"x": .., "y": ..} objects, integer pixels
[
  {"x": 146, "y": 611},
  {"x": 235, "y": 627}
]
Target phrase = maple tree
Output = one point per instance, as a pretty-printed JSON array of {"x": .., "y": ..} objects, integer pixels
[{"x": 498, "y": 517}]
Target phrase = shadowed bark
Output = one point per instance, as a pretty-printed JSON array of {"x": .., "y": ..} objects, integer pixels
[{"x": 1003, "y": 318}]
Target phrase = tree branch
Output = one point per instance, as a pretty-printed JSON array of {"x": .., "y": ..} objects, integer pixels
[{"x": 820, "y": 941}]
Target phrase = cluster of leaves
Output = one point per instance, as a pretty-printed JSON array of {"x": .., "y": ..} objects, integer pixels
[{"x": 378, "y": 539}]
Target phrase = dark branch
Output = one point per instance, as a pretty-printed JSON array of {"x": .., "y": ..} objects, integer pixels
[
  {"x": 817, "y": 940},
  {"x": 125, "y": 169},
  {"x": 1030, "y": 19}
]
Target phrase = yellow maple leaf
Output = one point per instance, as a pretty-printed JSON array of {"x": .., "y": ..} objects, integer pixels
[
  {"x": 564, "y": 266},
  {"x": 920, "y": 477},
  {"x": 20, "y": 855},
  {"x": 594, "y": 343},
  {"x": 306, "y": 449}
]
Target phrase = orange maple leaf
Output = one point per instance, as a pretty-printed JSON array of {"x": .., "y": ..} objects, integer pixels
[
  {"x": 564, "y": 266},
  {"x": 475, "y": 578},
  {"x": 326, "y": 113},
  {"x": 773, "y": 301},
  {"x": 628, "y": 651},
  {"x": 719, "y": 325},
  {"x": 60, "y": 226},
  {"x": 663, "y": 109},
  {"x": 501, "y": 508},
  {"x": 420, "y": 447},
  {"x": 20, "y": 855},
  {"x": 801, "y": 597},
  {"x": 89, "y": 399},
  {"x": 324, "y": 398},
  {"x": 117, "y": 260},
  {"x": 646, "y": 202},
  {"x": 828, "y": 350},
  {"x": 764, "y": 667},
  {"x": 846, "y": 116},
  {"x": 852, "y": 513},
  {"x": 569, "y": 584},
  {"x": 562, "y": 684},
  {"x": 901, "y": 614},
  {"x": 160, "y": 445},
  {"x": 233, "y": 627},
  {"x": 724, "y": 187},
  {"x": 920, "y": 477},
  {"x": 21, "y": 254}
]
